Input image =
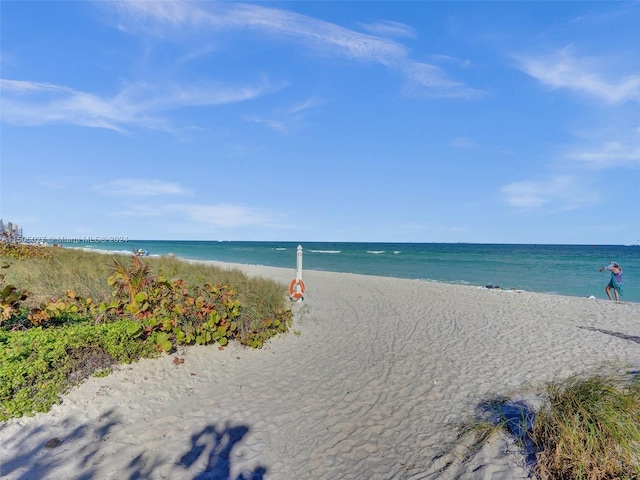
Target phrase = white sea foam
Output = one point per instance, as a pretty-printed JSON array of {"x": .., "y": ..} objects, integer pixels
[
  {"x": 375, "y": 252},
  {"x": 326, "y": 251},
  {"x": 102, "y": 250}
]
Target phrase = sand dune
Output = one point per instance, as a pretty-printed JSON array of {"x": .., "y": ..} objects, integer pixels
[{"x": 369, "y": 389}]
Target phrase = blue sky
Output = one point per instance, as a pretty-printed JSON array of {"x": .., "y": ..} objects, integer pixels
[{"x": 505, "y": 122}]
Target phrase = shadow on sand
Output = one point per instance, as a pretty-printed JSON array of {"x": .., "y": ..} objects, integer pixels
[
  {"x": 208, "y": 456},
  {"x": 631, "y": 338},
  {"x": 509, "y": 418}
]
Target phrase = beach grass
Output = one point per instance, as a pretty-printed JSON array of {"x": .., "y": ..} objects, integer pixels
[
  {"x": 86, "y": 273},
  {"x": 50, "y": 276},
  {"x": 587, "y": 428},
  {"x": 58, "y": 333}
]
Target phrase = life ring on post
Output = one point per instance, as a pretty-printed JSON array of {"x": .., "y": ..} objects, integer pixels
[{"x": 296, "y": 288}]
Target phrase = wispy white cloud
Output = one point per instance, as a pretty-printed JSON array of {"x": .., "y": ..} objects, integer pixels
[
  {"x": 313, "y": 33},
  {"x": 559, "y": 192},
  {"x": 149, "y": 97},
  {"x": 571, "y": 191},
  {"x": 283, "y": 118},
  {"x": 432, "y": 81},
  {"x": 36, "y": 103},
  {"x": 588, "y": 75},
  {"x": 304, "y": 105},
  {"x": 140, "y": 104},
  {"x": 223, "y": 215},
  {"x": 386, "y": 28},
  {"x": 608, "y": 155},
  {"x": 33, "y": 103},
  {"x": 23, "y": 87},
  {"x": 165, "y": 18},
  {"x": 141, "y": 187},
  {"x": 150, "y": 15},
  {"x": 276, "y": 125}
]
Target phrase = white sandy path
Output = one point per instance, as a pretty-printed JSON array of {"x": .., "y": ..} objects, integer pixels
[{"x": 367, "y": 391}]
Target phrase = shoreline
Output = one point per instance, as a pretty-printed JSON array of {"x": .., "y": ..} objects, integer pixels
[
  {"x": 371, "y": 388},
  {"x": 258, "y": 267}
]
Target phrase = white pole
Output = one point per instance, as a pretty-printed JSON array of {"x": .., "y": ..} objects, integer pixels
[{"x": 299, "y": 263}]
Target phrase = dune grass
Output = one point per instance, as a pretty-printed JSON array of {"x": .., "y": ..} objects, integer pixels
[
  {"x": 86, "y": 274},
  {"x": 60, "y": 270},
  {"x": 587, "y": 428}
]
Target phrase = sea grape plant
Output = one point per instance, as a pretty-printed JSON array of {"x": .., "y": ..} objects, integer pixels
[
  {"x": 57, "y": 311},
  {"x": 10, "y": 297},
  {"x": 175, "y": 313},
  {"x": 180, "y": 314}
]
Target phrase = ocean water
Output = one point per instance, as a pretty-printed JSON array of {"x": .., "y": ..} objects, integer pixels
[{"x": 558, "y": 269}]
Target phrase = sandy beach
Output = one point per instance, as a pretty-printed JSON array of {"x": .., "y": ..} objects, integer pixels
[{"x": 369, "y": 389}]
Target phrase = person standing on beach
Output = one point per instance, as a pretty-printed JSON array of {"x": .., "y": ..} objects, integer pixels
[{"x": 616, "y": 280}]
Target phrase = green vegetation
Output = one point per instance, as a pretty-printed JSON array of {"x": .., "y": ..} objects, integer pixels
[
  {"x": 39, "y": 364},
  {"x": 76, "y": 314},
  {"x": 19, "y": 251},
  {"x": 587, "y": 429}
]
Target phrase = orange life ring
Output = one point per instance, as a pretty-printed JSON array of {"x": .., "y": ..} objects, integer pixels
[{"x": 297, "y": 294}]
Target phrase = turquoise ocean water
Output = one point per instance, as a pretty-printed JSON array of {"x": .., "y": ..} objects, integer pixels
[{"x": 557, "y": 269}]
